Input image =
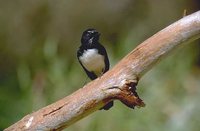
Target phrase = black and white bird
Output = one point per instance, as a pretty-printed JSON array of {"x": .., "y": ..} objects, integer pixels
[{"x": 93, "y": 57}]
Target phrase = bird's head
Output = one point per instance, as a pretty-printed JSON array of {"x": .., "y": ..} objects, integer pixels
[{"x": 89, "y": 37}]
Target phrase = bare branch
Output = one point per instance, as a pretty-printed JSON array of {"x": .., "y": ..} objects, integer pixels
[{"x": 118, "y": 83}]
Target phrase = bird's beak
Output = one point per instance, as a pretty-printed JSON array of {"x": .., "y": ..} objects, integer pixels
[{"x": 98, "y": 34}]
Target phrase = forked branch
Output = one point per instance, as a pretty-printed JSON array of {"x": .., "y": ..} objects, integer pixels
[{"x": 118, "y": 83}]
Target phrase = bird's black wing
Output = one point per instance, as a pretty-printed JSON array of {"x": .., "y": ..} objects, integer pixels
[
  {"x": 102, "y": 51},
  {"x": 91, "y": 75}
]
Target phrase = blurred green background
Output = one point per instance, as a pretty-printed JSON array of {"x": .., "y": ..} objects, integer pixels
[{"x": 38, "y": 64}]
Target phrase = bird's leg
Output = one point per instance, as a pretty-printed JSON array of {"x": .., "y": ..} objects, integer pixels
[
  {"x": 85, "y": 81},
  {"x": 101, "y": 74}
]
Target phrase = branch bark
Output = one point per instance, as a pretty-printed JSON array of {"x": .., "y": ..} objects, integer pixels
[{"x": 118, "y": 83}]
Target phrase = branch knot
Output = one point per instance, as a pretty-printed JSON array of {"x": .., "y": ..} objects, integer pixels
[{"x": 129, "y": 96}]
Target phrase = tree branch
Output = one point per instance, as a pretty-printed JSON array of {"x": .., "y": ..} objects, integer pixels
[{"x": 118, "y": 83}]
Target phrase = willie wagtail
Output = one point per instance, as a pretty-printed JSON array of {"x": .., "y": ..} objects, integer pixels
[{"x": 93, "y": 57}]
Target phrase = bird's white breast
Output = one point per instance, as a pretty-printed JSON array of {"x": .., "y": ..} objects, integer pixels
[{"x": 93, "y": 61}]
